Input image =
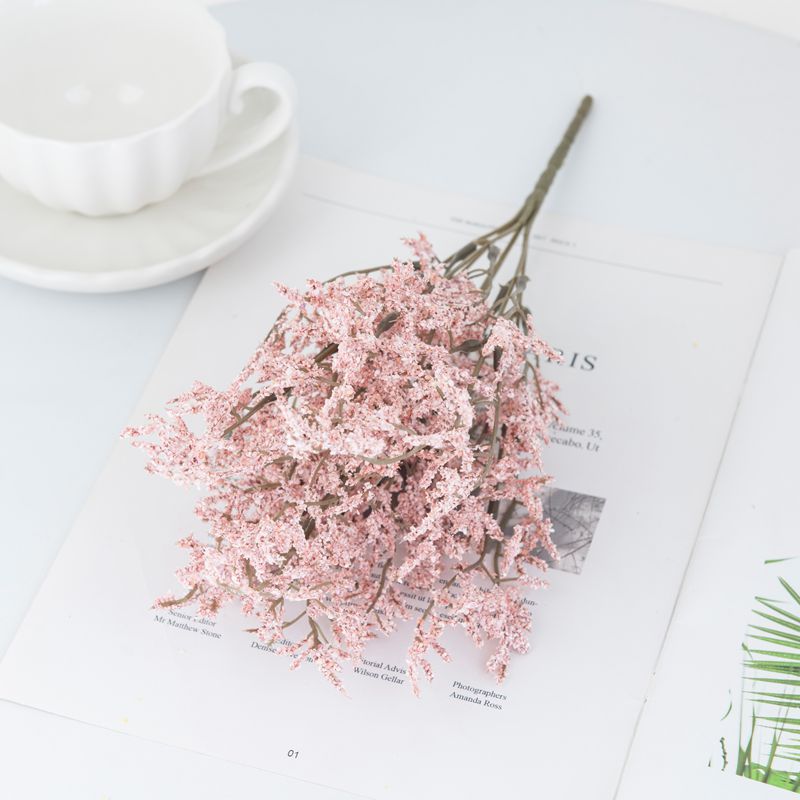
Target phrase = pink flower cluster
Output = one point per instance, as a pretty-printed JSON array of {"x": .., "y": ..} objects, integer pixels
[{"x": 385, "y": 437}]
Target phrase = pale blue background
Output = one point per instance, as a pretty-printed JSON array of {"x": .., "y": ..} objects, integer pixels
[{"x": 696, "y": 133}]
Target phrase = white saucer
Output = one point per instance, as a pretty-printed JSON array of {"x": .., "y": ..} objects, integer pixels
[{"x": 204, "y": 221}]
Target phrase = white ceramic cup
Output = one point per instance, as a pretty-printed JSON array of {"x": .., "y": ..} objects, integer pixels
[{"x": 109, "y": 105}]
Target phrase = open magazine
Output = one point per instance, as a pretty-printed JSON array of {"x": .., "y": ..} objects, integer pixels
[{"x": 623, "y": 690}]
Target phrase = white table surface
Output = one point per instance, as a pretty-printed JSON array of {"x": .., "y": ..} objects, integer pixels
[
  {"x": 780, "y": 16},
  {"x": 695, "y": 134}
]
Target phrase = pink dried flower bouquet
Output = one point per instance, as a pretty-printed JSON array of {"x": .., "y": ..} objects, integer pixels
[{"x": 385, "y": 437}]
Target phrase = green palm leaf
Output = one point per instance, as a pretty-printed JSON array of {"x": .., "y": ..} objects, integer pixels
[{"x": 769, "y": 751}]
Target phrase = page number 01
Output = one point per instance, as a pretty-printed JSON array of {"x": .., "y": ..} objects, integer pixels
[{"x": 293, "y": 754}]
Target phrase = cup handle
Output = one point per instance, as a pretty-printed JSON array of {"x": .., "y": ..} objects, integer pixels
[{"x": 256, "y": 75}]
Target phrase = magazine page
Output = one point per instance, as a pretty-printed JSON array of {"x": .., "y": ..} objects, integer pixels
[
  {"x": 723, "y": 717},
  {"x": 656, "y": 337}
]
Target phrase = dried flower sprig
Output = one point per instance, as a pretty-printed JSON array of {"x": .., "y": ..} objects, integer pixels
[{"x": 384, "y": 442}]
